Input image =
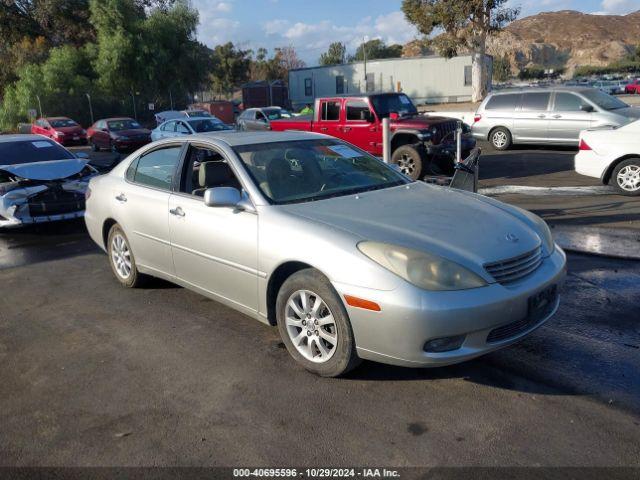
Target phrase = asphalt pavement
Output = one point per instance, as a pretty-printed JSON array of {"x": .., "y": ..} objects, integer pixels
[{"x": 95, "y": 374}]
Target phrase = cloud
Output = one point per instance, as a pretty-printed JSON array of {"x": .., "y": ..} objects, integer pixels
[{"x": 618, "y": 7}]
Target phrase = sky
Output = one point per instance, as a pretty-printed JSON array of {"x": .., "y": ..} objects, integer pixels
[{"x": 311, "y": 25}]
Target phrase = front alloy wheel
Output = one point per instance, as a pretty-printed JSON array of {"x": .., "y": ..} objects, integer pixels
[{"x": 311, "y": 326}]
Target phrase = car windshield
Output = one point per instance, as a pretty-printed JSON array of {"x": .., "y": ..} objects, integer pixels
[
  {"x": 309, "y": 170},
  {"x": 386, "y": 104},
  {"x": 126, "y": 124},
  {"x": 603, "y": 100},
  {"x": 207, "y": 125},
  {"x": 29, "y": 151},
  {"x": 65, "y": 122}
]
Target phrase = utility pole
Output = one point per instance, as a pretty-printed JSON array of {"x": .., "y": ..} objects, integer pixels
[
  {"x": 364, "y": 53},
  {"x": 171, "y": 99},
  {"x": 90, "y": 107},
  {"x": 39, "y": 105},
  {"x": 133, "y": 99}
]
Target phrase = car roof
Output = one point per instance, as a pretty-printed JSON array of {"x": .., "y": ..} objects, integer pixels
[
  {"x": 23, "y": 137},
  {"x": 575, "y": 89},
  {"x": 235, "y": 138}
]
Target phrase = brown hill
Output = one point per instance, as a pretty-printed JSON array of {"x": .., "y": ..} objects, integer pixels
[{"x": 567, "y": 39}]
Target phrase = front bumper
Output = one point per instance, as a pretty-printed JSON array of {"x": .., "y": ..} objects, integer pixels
[
  {"x": 13, "y": 222},
  {"x": 410, "y": 317},
  {"x": 131, "y": 144}
]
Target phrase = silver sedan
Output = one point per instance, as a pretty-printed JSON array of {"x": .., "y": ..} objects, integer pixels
[{"x": 349, "y": 258}]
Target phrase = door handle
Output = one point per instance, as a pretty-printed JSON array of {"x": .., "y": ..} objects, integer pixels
[
  {"x": 178, "y": 212},
  {"x": 542, "y": 116},
  {"x": 346, "y": 129},
  {"x": 373, "y": 129},
  {"x": 121, "y": 198},
  {"x": 323, "y": 129},
  {"x": 557, "y": 116}
]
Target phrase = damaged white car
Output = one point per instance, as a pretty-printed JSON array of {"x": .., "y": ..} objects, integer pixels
[{"x": 40, "y": 181}]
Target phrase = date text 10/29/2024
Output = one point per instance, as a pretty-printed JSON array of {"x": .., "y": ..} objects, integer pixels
[{"x": 315, "y": 473}]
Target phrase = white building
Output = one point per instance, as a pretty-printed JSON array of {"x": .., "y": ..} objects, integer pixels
[{"x": 430, "y": 79}]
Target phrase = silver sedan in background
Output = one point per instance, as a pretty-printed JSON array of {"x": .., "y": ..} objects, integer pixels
[
  {"x": 178, "y": 127},
  {"x": 349, "y": 258}
]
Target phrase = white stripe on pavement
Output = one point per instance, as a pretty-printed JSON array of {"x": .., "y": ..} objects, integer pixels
[{"x": 546, "y": 191}]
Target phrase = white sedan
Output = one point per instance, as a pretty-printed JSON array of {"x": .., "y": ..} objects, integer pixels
[
  {"x": 612, "y": 155},
  {"x": 178, "y": 127}
]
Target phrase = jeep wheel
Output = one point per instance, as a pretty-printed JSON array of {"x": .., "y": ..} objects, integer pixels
[{"x": 409, "y": 159}]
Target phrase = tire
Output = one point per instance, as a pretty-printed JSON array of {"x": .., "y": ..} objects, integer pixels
[
  {"x": 94, "y": 147},
  {"x": 500, "y": 138},
  {"x": 339, "y": 352},
  {"x": 626, "y": 177},
  {"x": 134, "y": 279},
  {"x": 113, "y": 148},
  {"x": 410, "y": 161}
]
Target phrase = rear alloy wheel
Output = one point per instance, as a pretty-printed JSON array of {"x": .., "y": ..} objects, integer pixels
[
  {"x": 314, "y": 324},
  {"x": 409, "y": 159},
  {"x": 121, "y": 258},
  {"x": 626, "y": 177},
  {"x": 94, "y": 147},
  {"x": 500, "y": 138},
  {"x": 113, "y": 148}
]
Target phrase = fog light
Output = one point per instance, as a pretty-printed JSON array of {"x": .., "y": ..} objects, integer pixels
[{"x": 444, "y": 344}]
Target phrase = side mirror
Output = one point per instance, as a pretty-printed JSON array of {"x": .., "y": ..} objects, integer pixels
[
  {"x": 586, "y": 108},
  {"x": 222, "y": 197},
  {"x": 82, "y": 155}
]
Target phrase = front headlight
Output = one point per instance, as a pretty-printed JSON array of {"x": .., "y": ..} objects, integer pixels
[{"x": 421, "y": 269}]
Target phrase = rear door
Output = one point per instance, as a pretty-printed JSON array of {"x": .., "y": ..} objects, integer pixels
[
  {"x": 567, "y": 118},
  {"x": 359, "y": 126},
  {"x": 531, "y": 122},
  {"x": 328, "y": 118},
  {"x": 141, "y": 206}
]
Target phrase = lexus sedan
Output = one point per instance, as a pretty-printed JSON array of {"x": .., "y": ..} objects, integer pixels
[
  {"x": 349, "y": 258},
  {"x": 117, "y": 134}
]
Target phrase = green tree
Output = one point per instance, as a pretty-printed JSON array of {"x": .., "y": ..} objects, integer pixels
[
  {"x": 465, "y": 26},
  {"x": 501, "y": 68},
  {"x": 335, "y": 54},
  {"x": 230, "y": 68},
  {"x": 374, "y": 49}
]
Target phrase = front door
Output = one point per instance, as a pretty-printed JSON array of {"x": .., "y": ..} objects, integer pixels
[
  {"x": 141, "y": 207},
  {"x": 568, "y": 119},
  {"x": 214, "y": 248},
  {"x": 360, "y": 127},
  {"x": 532, "y": 119}
]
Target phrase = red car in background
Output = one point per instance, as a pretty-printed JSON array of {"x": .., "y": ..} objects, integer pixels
[
  {"x": 117, "y": 134},
  {"x": 633, "y": 87},
  {"x": 60, "y": 129}
]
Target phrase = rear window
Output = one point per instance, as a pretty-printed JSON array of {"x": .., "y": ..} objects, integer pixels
[
  {"x": 16, "y": 153},
  {"x": 535, "y": 101},
  {"x": 503, "y": 102}
]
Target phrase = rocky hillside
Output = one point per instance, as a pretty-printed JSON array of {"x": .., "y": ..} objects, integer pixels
[{"x": 567, "y": 39}]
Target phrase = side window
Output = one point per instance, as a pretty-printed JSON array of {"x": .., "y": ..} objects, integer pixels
[
  {"x": 468, "y": 75},
  {"x": 260, "y": 116},
  {"x": 339, "y": 84},
  {"x": 567, "y": 102},
  {"x": 169, "y": 127},
  {"x": 503, "y": 102},
  {"x": 308, "y": 87},
  {"x": 131, "y": 171},
  {"x": 206, "y": 168},
  {"x": 357, "y": 110},
  {"x": 157, "y": 168},
  {"x": 182, "y": 128},
  {"x": 535, "y": 101},
  {"x": 330, "y": 111}
]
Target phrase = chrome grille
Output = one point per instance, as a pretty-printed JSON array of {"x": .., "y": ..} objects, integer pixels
[{"x": 513, "y": 269}]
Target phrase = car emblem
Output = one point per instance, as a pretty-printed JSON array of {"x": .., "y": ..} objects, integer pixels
[{"x": 511, "y": 237}]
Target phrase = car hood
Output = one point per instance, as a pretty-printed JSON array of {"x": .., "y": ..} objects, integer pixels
[
  {"x": 132, "y": 132},
  {"x": 632, "y": 113},
  {"x": 49, "y": 170},
  {"x": 466, "y": 228},
  {"x": 418, "y": 122}
]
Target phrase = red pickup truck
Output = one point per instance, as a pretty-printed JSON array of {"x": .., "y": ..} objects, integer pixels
[{"x": 420, "y": 145}]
